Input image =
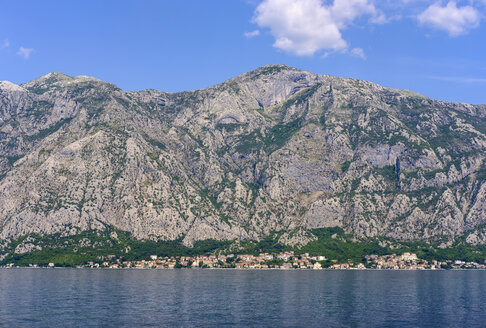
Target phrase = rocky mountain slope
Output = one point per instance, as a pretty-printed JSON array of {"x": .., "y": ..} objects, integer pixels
[{"x": 276, "y": 149}]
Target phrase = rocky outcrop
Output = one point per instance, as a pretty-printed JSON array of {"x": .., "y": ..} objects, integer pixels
[{"x": 274, "y": 149}]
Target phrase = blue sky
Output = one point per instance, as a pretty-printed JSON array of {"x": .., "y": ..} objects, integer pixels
[{"x": 437, "y": 48}]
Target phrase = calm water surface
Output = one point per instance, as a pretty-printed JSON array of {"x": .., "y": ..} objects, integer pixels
[{"x": 209, "y": 298}]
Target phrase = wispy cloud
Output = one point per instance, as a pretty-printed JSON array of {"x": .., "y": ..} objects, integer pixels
[
  {"x": 5, "y": 44},
  {"x": 25, "y": 52},
  {"x": 304, "y": 27},
  {"x": 253, "y": 3},
  {"x": 451, "y": 18},
  {"x": 458, "y": 79},
  {"x": 252, "y": 34},
  {"x": 358, "y": 52}
]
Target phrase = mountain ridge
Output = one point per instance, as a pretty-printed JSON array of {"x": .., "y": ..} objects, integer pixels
[
  {"x": 249, "y": 74},
  {"x": 274, "y": 149}
]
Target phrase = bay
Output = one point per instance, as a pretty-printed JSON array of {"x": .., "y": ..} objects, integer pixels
[{"x": 241, "y": 298}]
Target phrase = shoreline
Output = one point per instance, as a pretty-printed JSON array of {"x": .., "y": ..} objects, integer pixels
[{"x": 238, "y": 269}]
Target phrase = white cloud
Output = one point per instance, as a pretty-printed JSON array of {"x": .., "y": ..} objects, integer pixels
[
  {"x": 5, "y": 44},
  {"x": 303, "y": 27},
  {"x": 358, "y": 52},
  {"x": 345, "y": 11},
  {"x": 455, "y": 20},
  {"x": 25, "y": 52},
  {"x": 251, "y": 34}
]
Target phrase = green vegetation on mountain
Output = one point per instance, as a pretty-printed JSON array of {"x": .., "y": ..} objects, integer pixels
[{"x": 333, "y": 243}]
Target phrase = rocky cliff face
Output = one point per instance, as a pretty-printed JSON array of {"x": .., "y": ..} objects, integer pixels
[{"x": 274, "y": 149}]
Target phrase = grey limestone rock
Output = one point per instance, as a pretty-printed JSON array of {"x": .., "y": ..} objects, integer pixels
[{"x": 275, "y": 149}]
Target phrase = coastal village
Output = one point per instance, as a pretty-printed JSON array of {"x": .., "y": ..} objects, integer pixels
[{"x": 284, "y": 260}]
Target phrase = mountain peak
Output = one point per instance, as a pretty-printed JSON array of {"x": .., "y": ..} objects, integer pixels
[
  {"x": 49, "y": 78},
  {"x": 276, "y": 72},
  {"x": 7, "y": 85},
  {"x": 272, "y": 69},
  {"x": 55, "y": 80},
  {"x": 276, "y": 68}
]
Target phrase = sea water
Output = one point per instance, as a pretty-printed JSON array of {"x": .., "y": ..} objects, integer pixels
[{"x": 241, "y": 298}]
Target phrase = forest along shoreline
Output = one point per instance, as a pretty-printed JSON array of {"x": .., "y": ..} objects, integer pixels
[{"x": 271, "y": 261}]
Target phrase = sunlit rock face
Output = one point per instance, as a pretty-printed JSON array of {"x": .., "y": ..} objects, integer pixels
[{"x": 274, "y": 149}]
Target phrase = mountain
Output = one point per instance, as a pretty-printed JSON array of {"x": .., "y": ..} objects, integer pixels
[{"x": 274, "y": 150}]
